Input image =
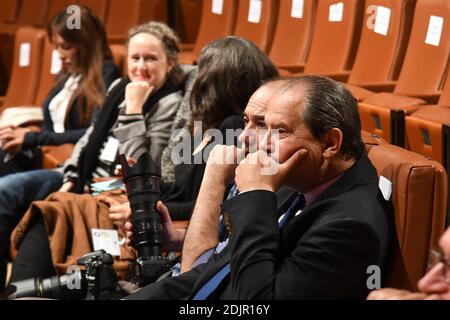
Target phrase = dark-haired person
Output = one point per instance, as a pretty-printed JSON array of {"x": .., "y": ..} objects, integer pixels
[
  {"x": 136, "y": 117},
  {"x": 320, "y": 242},
  {"x": 87, "y": 70}
]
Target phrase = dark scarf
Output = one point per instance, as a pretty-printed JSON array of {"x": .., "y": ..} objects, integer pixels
[{"x": 89, "y": 156}]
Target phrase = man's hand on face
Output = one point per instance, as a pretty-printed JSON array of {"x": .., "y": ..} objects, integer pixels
[
  {"x": 222, "y": 163},
  {"x": 259, "y": 171}
]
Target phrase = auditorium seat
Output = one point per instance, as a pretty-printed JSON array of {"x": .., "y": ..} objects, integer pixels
[
  {"x": 26, "y": 70},
  {"x": 55, "y": 156},
  {"x": 29, "y": 13},
  {"x": 217, "y": 21},
  {"x": 120, "y": 57},
  {"x": 428, "y": 131},
  {"x": 335, "y": 39},
  {"x": 256, "y": 20},
  {"x": 99, "y": 7},
  {"x": 8, "y": 14},
  {"x": 188, "y": 15},
  {"x": 55, "y": 6},
  {"x": 51, "y": 66},
  {"x": 123, "y": 15},
  {"x": 382, "y": 46},
  {"x": 421, "y": 78},
  {"x": 417, "y": 188},
  {"x": 293, "y": 32}
]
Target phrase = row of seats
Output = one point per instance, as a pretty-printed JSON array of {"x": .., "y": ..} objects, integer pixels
[
  {"x": 118, "y": 17},
  {"x": 392, "y": 54},
  {"x": 111, "y": 13}
]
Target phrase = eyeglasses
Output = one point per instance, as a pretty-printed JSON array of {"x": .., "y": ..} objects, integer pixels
[{"x": 437, "y": 257}]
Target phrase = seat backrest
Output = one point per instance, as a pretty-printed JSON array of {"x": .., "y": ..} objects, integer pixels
[
  {"x": 55, "y": 6},
  {"x": 256, "y": 20},
  {"x": 188, "y": 17},
  {"x": 26, "y": 70},
  {"x": 419, "y": 197},
  {"x": 444, "y": 100},
  {"x": 51, "y": 66},
  {"x": 99, "y": 7},
  {"x": 336, "y": 36},
  {"x": 8, "y": 13},
  {"x": 293, "y": 32},
  {"x": 123, "y": 15},
  {"x": 119, "y": 53},
  {"x": 32, "y": 12},
  {"x": 428, "y": 50},
  {"x": 218, "y": 20},
  {"x": 384, "y": 37}
]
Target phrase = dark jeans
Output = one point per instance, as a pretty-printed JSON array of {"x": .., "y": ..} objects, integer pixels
[
  {"x": 34, "y": 258},
  {"x": 20, "y": 163},
  {"x": 17, "y": 192}
]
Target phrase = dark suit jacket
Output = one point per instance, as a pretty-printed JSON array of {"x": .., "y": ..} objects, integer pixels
[{"x": 323, "y": 253}]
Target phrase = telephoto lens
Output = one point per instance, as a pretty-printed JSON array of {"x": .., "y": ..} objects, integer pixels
[
  {"x": 143, "y": 189},
  {"x": 57, "y": 287}
]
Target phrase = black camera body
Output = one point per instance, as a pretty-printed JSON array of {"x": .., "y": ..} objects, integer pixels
[
  {"x": 143, "y": 189},
  {"x": 98, "y": 281}
]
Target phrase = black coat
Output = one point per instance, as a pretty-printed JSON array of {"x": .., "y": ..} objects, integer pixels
[{"x": 323, "y": 253}]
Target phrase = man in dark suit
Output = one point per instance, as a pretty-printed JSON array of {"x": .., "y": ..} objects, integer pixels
[{"x": 321, "y": 250}]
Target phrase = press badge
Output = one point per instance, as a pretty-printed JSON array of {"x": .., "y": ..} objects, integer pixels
[
  {"x": 109, "y": 154},
  {"x": 107, "y": 240}
]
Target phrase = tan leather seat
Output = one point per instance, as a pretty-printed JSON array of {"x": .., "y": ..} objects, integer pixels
[
  {"x": 422, "y": 76},
  {"x": 99, "y": 7},
  {"x": 24, "y": 79},
  {"x": 123, "y": 15},
  {"x": 29, "y": 13},
  {"x": 32, "y": 12},
  {"x": 428, "y": 129},
  {"x": 257, "y": 26},
  {"x": 382, "y": 47},
  {"x": 334, "y": 43},
  {"x": 8, "y": 14},
  {"x": 292, "y": 38},
  {"x": 213, "y": 25},
  {"x": 187, "y": 20},
  {"x": 419, "y": 198},
  {"x": 55, "y": 6},
  {"x": 47, "y": 75},
  {"x": 119, "y": 53}
]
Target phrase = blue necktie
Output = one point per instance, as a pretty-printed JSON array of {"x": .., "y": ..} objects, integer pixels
[{"x": 215, "y": 281}]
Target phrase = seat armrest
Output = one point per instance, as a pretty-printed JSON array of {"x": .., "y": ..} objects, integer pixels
[
  {"x": 291, "y": 68},
  {"x": 380, "y": 87},
  {"x": 187, "y": 46},
  {"x": 339, "y": 76}
]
